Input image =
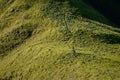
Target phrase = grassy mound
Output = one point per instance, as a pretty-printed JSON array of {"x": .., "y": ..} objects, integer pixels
[{"x": 56, "y": 40}]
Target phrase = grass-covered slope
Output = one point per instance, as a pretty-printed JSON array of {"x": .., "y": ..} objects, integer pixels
[{"x": 54, "y": 40}]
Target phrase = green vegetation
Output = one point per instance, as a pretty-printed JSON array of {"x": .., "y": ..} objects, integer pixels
[{"x": 56, "y": 40}]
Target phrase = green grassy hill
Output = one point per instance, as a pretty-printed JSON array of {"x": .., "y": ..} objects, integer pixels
[{"x": 57, "y": 40}]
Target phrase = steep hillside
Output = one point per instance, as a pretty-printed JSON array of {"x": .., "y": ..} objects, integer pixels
[
  {"x": 57, "y": 40},
  {"x": 110, "y": 9}
]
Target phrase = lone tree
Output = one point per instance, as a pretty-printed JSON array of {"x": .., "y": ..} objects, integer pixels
[
  {"x": 67, "y": 16},
  {"x": 62, "y": 11}
]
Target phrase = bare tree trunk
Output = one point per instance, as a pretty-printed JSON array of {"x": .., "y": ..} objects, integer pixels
[
  {"x": 65, "y": 22},
  {"x": 67, "y": 27},
  {"x": 74, "y": 51}
]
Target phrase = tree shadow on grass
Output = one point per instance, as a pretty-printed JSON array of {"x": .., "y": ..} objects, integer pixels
[{"x": 85, "y": 59}]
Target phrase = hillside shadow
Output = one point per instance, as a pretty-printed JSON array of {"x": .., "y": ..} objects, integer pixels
[
  {"x": 88, "y": 10},
  {"x": 110, "y": 9},
  {"x": 16, "y": 37},
  {"x": 108, "y": 38}
]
